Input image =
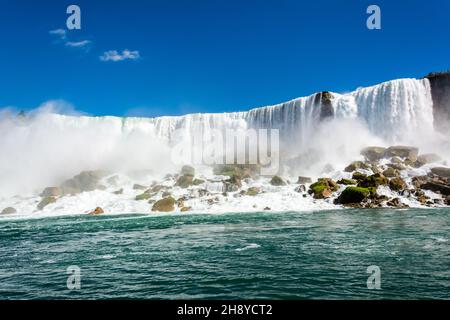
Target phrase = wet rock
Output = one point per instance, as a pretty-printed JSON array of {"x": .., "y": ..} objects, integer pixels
[
  {"x": 441, "y": 172},
  {"x": 143, "y": 196},
  {"x": 356, "y": 165},
  {"x": 9, "y": 210},
  {"x": 185, "y": 209},
  {"x": 408, "y": 152},
  {"x": 120, "y": 191},
  {"x": 419, "y": 181},
  {"x": 391, "y": 172},
  {"x": 426, "y": 158},
  {"x": 300, "y": 189},
  {"x": 51, "y": 192},
  {"x": 241, "y": 170},
  {"x": 164, "y": 205},
  {"x": 353, "y": 195},
  {"x": 197, "y": 182},
  {"x": 156, "y": 188},
  {"x": 139, "y": 187},
  {"x": 46, "y": 201},
  {"x": 252, "y": 191},
  {"x": 267, "y": 209},
  {"x": 447, "y": 201},
  {"x": 323, "y": 188},
  {"x": 373, "y": 181},
  {"x": 303, "y": 180},
  {"x": 373, "y": 153},
  {"x": 85, "y": 181},
  {"x": 347, "y": 181},
  {"x": 437, "y": 187},
  {"x": 112, "y": 180},
  {"x": 277, "y": 181},
  {"x": 397, "y": 184},
  {"x": 96, "y": 211},
  {"x": 232, "y": 184},
  {"x": 396, "y": 202},
  {"x": 185, "y": 181},
  {"x": 358, "y": 176},
  {"x": 187, "y": 171},
  {"x": 396, "y": 166}
]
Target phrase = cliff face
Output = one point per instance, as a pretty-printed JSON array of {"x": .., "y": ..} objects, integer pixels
[{"x": 440, "y": 92}]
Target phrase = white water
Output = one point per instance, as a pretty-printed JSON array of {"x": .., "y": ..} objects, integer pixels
[{"x": 46, "y": 148}]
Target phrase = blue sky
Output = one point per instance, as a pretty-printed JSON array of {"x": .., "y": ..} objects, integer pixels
[{"x": 210, "y": 55}]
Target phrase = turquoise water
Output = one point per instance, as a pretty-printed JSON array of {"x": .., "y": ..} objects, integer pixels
[{"x": 318, "y": 255}]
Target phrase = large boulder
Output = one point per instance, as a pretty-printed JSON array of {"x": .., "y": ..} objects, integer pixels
[
  {"x": 441, "y": 172},
  {"x": 303, "y": 180},
  {"x": 164, "y": 205},
  {"x": 410, "y": 153},
  {"x": 8, "y": 210},
  {"x": 185, "y": 181},
  {"x": 427, "y": 158},
  {"x": 252, "y": 191},
  {"x": 232, "y": 184},
  {"x": 85, "y": 181},
  {"x": 139, "y": 187},
  {"x": 187, "y": 171},
  {"x": 323, "y": 188},
  {"x": 143, "y": 196},
  {"x": 397, "y": 184},
  {"x": 242, "y": 170},
  {"x": 437, "y": 187},
  {"x": 45, "y": 202},
  {"x": 353, "y": 195},
  {"x": 358, "y": 176},
  {"x": 277, "y": 181},
  {"x": 373, "y": 153},
  {"x": 373, "y": 181},
  {"x": 51, "y": 192},
  {"x": 355, "y": 165},
  {"x": 97, "y": 211},
  {"x": 391, "y": 172},
  {"x": 347, "y": 182}
]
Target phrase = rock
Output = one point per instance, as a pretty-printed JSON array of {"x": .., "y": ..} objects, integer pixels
[
  {"x": 242, "y": 170},
  {"x": 327, "y": 168},
  {"x": 166, "y": 194},
  {"x": 277, "y": 181},
  {"x": 8, "y": 210},
  {"x": 303, "y": 180},
  {"x": 252, "y": 191},
  {"x": 347, "y": 181},
  {"x": 402, "y": 152},
  {"x": 96, "y": 211},
  {"x": 197, "y": 182},
  {"x": 267, "y": 209},
  {"x": 323, "y": 188},
  {"x": 51, "y": 192},
  {"x": 426, "y": 158},
  {"x": 447, "y": 201},
  {"x": 184, "y": 209},
  {"x": 441, "y": 172},
  {"x": 373, "y": 153},
  {"x": 355, "y": 166},
  {"x": 187, "y": 171},
  {"x": 373, "y": 181},
  {"x": 353, "y": 195},
  {"x": 85, "y": 181},
  {"x": 46, "y": 201},
  {"x": 419, "y": 181},
  {"x": 391, "y": 172},
  {"x": 396, "y": 202},
  {"x": 143, "y": 196},
  {"x": 437, "y": 187},
  {"x": 156, "y": 188},
  {"x": 120, "y": 191},
  {"x": 397, "y": 184},
  {"x": 112, "y": 180},
  {"x": 139, "y": 187},
  {"x": 232, "y": 184},
  {"x": 185, "y": 181},
  {"x": 396, "y": 166},
  {"x": 359, "y": 176},
  {"x": 300, "y": 189},
  {"x": 164, "y": 205}
]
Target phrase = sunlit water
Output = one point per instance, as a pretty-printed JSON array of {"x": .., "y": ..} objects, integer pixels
[{"x": 314, "y": 255}]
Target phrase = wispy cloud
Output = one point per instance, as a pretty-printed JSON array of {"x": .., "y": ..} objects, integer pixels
[
  {"x": 78, "y": 44},
  {"x": 60, "y": 33},
  {"x": 115, "y": 56}
]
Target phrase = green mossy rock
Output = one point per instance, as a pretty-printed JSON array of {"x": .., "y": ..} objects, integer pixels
[
  {"x": 359, "y": 176},
  {"x": 197, "y": 182},
  {"x": 164, "y": 205},
  {"x": 347, "y": 182},
  {"x": 143, "y": 196},
  {"x": 373, "y": 181},
  {"x": 277, "y": 181},
  {"x": 397, "y": 184},
  {"x": 252, "y": 191},
  {"x": 185, "y": 181},
  {"x": 353, "y": 195}
]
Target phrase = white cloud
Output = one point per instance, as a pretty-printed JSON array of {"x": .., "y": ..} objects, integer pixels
[
  {"x": 115, "y": 56},
  {"x": 61, "y": 33},
  {"x": 78, "y": 44}
]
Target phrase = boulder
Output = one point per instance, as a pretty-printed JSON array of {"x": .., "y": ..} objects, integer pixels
[
  {"x": 46, "y": 201},
  {"x": 185, "y": 181},
  {"x": 8, "y": 210},
  {"x": 353, "y": 195},
  {"x": 242, "y": 170},
  {"x": 441, "y": 172},
  {"x": 323, "y": 188},
  {"x": 85, "y": 181},
  {"x": 408, "y": 152},
  {"x": 391, "y": 172},
  {"x": 303, "y": 180},
  {"x": 232, "y": 184},
  {"x": 143, "y": 196},
  {"x": 437, "y": 187},
  {"x": 197, "y": 182},
  {"x": 184, "y": 209},
  {"x": 373, "y": 153},
  {"x": 96, "y": 211},
  {"x": 427, "y": 158},
  {"x": 277, "y": 181},
  {"x": 300, "y": 189},
  {"x": 447, "y": 201},
  {"x": 373, "y": 181},
  {"x": 51, "y": 192},
  {"x": 120, "y": 191},
  {"x": 139, "y": 187},
  {"x": 347, "y": 181},
  {"x": 187, "y": 171},
  {"x": 359, "y": 176},
  {"x": 397, "y": 184},
  {"x": 356, "y": 165},
  {"x": 164, "y": 205},
  {"x": 252, "y": 191},
  {"x": 396, "y": 202}
]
